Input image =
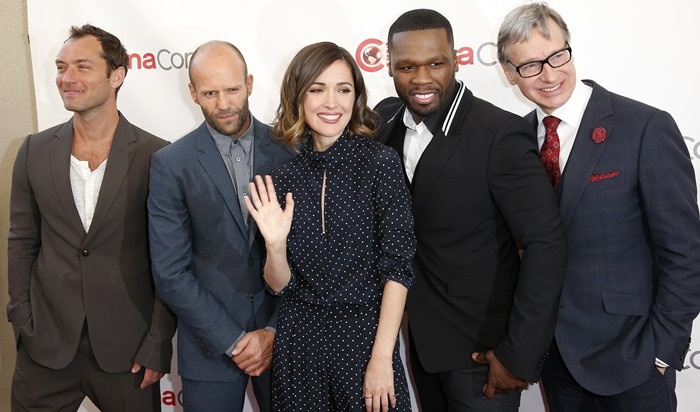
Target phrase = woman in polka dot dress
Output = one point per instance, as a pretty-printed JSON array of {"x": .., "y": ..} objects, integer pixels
[{"x": 339, "y": 241}]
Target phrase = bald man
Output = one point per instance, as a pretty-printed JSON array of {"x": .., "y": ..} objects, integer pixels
[{"x": 206, "y": 251}]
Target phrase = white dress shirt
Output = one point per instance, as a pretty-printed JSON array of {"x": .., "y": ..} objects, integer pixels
[
  {"x": 417, "y": 139},
  {"x": 570, "y": 115},
  {"x": 86, "y": 185}
]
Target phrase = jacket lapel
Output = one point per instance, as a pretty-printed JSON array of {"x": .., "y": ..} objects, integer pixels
[
  {"x": 214, "y": 166},
  {"x": 59, "y": 158},
  {"x": 585, "y": 152},
  {"x": 118, "y": 162},
  {"x": 394, "y": 135},
  {"x": 263, "y": 160},
  {"x": 440, "y": 149}
]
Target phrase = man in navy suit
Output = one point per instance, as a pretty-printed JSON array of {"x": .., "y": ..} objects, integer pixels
[
  {"x": 627, "y": 195},
  {"x": 207, "y": 254}
]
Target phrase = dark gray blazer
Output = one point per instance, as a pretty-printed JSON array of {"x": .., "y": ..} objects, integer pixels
[{"x": 60, "y": 276}]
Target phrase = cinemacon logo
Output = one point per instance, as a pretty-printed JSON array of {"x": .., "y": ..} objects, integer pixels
[
  {"x": 370, "y": 56},
  {"x": 692, "y": 361},
  {"x": 693, "y": 147},
  {"x": 163, "y": 59}
]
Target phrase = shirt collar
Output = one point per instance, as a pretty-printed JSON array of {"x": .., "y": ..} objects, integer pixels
[
  {"x": 571, "y": 112},
  {"x": 223, "y": 142},
  {"x": 434, "y": 119}
]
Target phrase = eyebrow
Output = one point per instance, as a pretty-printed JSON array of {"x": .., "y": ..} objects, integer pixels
[
  {"x": 535, "y": 60},
  {"x": 337, "y": 84},
  {"x": 75, "y": 61}
]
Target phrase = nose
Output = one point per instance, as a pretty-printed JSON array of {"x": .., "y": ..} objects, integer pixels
[
  {"x": 422, "y": 75},
  {"x": 549, "y": 73},
  {"x": 67, "y": 75},
  {"x": 222, "y": 102},
  {"x": 330, "y": 100}
]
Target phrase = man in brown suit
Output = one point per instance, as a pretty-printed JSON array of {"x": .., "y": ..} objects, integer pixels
[{"x": 82, "y": 302}]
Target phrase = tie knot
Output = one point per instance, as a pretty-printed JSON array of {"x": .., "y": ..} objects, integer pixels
[{"x": 551, "y": 123}]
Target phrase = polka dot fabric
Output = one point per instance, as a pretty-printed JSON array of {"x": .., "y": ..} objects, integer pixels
[{"x": 328, "y": 319}]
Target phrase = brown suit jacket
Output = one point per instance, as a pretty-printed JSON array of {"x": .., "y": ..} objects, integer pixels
[{"x": 61, "y": 277}]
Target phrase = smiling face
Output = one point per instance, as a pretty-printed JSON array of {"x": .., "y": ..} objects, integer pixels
[
  {"x": 551, "y": 88},
  {"x": 328, "y": 104},
  {"x": 83, "y": 78},
  {"x": 423, "y": 65},
  {"x": 220, "y": 86}
]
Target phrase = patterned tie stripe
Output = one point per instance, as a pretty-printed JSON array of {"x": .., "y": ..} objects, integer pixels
[{"x": 549, "y": 154}]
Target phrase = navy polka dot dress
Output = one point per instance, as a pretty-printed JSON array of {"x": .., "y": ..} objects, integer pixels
[{"x": 341, "y": 256}]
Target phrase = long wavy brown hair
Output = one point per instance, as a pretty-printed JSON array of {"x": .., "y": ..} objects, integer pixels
[{"x": 289, "y": 125}]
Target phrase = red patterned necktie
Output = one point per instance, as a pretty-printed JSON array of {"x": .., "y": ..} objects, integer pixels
[{"x": 549, "y": 154}]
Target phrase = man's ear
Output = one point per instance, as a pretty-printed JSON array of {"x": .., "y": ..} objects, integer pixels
[
  {"x": 193, "y": 93},
  {"x": 116, "y": 78},
  {"x": 509, "y": 72},
  {"x": 249, "y": 84}
]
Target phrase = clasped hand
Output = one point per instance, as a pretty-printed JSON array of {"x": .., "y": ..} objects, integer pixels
[
  {"x": 253, "y": 353},
  {"x": 500, "y": 379}
]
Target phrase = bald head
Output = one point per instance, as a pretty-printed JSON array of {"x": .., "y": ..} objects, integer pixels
[
  {"x": 220, "y": 85},
  {"x": 213, "y": 53}
]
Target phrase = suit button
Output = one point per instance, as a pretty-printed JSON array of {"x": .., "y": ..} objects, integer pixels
[
  {"x": 251, "y": 261},
  {"x": 250, "y": 298},
  {"x": 85, "y": 253}
]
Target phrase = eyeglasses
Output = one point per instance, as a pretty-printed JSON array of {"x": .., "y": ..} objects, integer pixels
[{"x": 532, "y": 69}]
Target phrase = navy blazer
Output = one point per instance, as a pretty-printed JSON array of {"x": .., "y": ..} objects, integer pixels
[
  {"x": 632, "y": 287},
  {"x": 206, "y": 265},
  {"x": 480, "y": 195}
]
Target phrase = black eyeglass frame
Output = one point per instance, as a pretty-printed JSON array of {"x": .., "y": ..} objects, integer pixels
[{"x": 542, "y": 62}]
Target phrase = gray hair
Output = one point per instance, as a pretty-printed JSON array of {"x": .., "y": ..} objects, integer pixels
[{"x": 518, "y": 25}]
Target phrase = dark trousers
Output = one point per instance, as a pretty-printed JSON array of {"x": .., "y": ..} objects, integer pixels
[
  {"x": 37, "y": 388},
  {"x": 457, "y": 390},
  {"x": 564, "y": 394},
  {"x": 227, "y": 396}
]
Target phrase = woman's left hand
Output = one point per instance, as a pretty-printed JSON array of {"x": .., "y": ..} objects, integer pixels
[
  {"x": 378, "y": 388},
  {"x": 273, "y": 222}
]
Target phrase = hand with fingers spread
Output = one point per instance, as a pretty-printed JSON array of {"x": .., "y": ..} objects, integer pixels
[
  {"x": 500, "y": 379},
  {"x": 273, "y": 222}
]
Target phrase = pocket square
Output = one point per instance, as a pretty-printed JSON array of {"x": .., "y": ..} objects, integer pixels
[{"x": 602, "y": 176}]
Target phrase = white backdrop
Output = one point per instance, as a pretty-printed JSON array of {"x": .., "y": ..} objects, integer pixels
[{"x": 652, "y": 43}]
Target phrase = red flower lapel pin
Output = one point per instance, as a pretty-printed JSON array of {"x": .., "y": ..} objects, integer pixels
[{"x": 599, "y": 134}]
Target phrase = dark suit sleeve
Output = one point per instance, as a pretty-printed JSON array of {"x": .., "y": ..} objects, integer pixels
[
  {"x": 524, "y": 196},
  {"x": 23, "y": 241},
  {"x": 156, "y": 351},
  {"x": 669, "y": 197}
]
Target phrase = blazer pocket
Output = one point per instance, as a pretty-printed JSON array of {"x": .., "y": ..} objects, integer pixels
[
  {"x": 602, "y": 181},
  {"x": 621, "y": 303},
  {"x": 602, "y": 176}
]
